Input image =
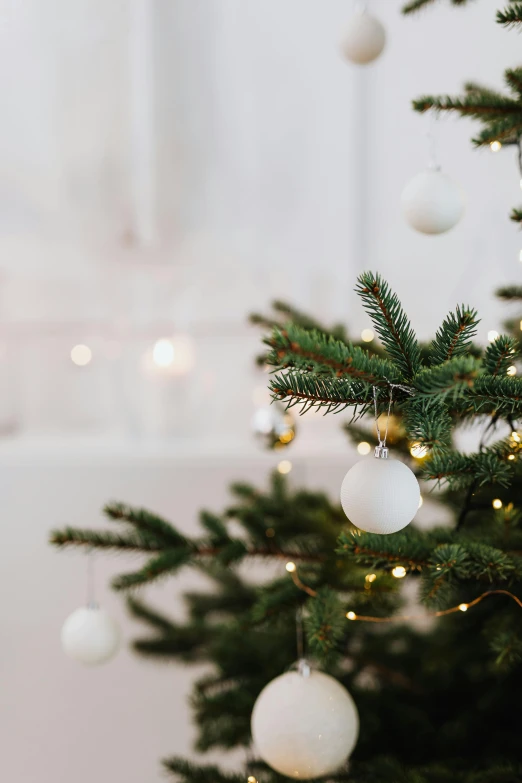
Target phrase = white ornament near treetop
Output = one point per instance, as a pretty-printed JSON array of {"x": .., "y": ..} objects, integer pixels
[
  {"x": 305, "y": 724},
  {"x": 90, "y": 636},
  {"x": 364, "y": 39},
  {"x": 380, "y": 495},
  {"x": 432, "y": 203}
]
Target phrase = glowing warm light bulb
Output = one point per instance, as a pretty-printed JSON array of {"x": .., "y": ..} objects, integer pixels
[
  {"x": 351, "y": 615},
  {"x": 367, "y": 335},
  {"x": 364, "y": 448},
  {"x": 492, "y": 335},
  {"x": 290, "y": 567},
  {"x": 511, "y": 457},
  {"x": 399, "y": 572},
  {"x": 163, "y": 353},
  {"x": 81, "y": 355},
  {"x": 512, "y": 370},
  {"x": 463, "y": 607},
  {"x": 251, "y": 779},
  {"x": 285, "y": 466},
  {"x": 497, "y": 503},
  {"x": 515, "y": 436},
  {"x": 495, "y": 146},
  {"x": 370, "y": 577},
  {"x": 418, "y": 450}
]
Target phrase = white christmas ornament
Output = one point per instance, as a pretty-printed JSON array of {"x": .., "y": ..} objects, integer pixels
[
  {"x": 90, "y": 636},
  {"x": 305, "y": 724},
  {"x": 380, "y": 495},
  {"x": 364, "y": 39},
  {"x": 432, "y": 203}
]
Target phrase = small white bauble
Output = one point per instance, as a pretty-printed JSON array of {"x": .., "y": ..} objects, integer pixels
[
  {"x": 380, "y": 495},
  {"x": 364, "y": 39},
  {"x": 304, "y": 726},
  {"x": 90, "y": 636},
  {"x": 432, "y": 203}
]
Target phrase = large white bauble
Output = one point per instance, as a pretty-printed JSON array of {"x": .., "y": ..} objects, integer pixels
[
  {"x": 380, "y": 495},
  {"x": 304, "y": 726},
  {"x": 90, "y": 636},
  {"x": 364, "y": 39},
  {"x": 432, "y": 203}
]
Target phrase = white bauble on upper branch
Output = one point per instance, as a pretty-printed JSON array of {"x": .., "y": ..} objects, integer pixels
[
  {"x": 364, "y": 38},
  {"x": 305, "y": 724},
  {"x": 380, "y": 495},
  {"x": 432, "y": 202}
]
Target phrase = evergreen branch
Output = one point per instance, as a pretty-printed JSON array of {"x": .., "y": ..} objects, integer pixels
[
  {"x": 500, "y": 355},
  {"x": 516, "y": 215},
  {"x": 510, "y": 293},
  {"x": 377, "y": 551},
  {"x": 505, "y": 129},
  {"x": 479, "y": 104},
  {"x": 188, "y": 772},
  {"x": 452, "y": 379},
  {"x": 312, "y": 352},
  {"x": 454, "y": 336},
  {"x": 460, "y": 470},
  {"x": 324, "y": 623},
  {"x": 140, "y": 611},
  {"x": 417, "y": 5},
  {"x": 391, "y": 323},
  {"x": 427, "y": 421},
  {"x": 510, "y": 16},
  {"x": 99, "y": 539},
  {"x": 145, "y": 521},
  {"x": 513, "y": 77},
  {"x": 334, "y": 394},
  {"x": 287, "y": 313},
  {"x": 501, "y": 394},
  {"x": 167, "y": 562}
]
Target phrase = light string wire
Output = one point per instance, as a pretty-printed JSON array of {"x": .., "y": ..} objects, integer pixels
[{"x": 462, "y": 607}]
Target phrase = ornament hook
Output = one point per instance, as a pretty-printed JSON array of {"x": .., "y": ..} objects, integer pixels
[{"x": 381, "y": 451}]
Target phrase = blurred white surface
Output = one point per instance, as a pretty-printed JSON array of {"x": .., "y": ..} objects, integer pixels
[{"x": 165, "y": 168}]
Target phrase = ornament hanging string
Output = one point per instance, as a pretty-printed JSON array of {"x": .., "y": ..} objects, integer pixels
[
  {"x": 431, "y": 135},
  {"x": 381, "y": 448},
  {"x": 382, "y": 441},
  {"x": 91, "y": 592}
]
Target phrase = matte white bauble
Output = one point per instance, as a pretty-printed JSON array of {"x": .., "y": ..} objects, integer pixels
[
  {"x": 380, "y": 495},
  {"x": 90, "y": 636},
  {"x": 305, "y": 726},
  {"x": 364, "y": 39},
  {"x": 432, "y": 203}
]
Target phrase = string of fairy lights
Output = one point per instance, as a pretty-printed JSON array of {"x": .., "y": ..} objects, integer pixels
[{"x": 399, "y": 572}]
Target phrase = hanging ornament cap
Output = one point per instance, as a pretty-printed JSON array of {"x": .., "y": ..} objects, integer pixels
[{"x": 381, "y": 452}]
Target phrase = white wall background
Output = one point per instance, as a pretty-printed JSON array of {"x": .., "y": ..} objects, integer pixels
[{"x": 171, "y": 184}]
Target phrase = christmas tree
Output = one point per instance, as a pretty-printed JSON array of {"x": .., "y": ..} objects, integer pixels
[{"x": 438, "y": 702}]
